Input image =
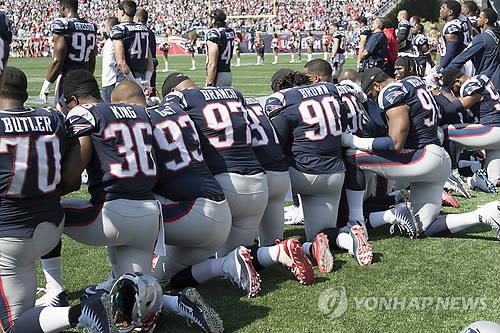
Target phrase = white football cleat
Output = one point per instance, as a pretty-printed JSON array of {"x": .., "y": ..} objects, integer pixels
[{"x": 481, "y": 182}]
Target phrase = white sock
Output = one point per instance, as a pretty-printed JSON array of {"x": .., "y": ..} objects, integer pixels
[
  {"x": 307, "y": 249},
  {"x": 166, "y": 65},
  {"x": 170, "y": 304},
  {"x": 53, "y": 275},
  {"x": 355, "y": 201},
  {"x": 267, "y": 255},
  {"x": 309, "y": 57},
  {"x": 344, "y": 241},
  {"x": 458, "y": 222},
  {"x": 193, "y": 63},
  {"x": 258, "y": 59},
  {"x": 275, "y": 58},
  {"x": 380, "y": 218},
  {"x": 208, "y": 269},
  {"x": 325, "y": 56},
  {"x": 54, "y": 319},
  {"x": 238, "y": 61}
]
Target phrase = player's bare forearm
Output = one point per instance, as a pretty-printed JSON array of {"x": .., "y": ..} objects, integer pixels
[
  {"x": 92, "y": 61},
  {"x": 59, "y": 54},
  {"x": 362, "y": 55},
  {"x": 399, "y": 125},
  {"x": 211, "y": 73},
  {"x": 54, "y": 70},
  {"x": 73, "y": 164},
  {"x": 470, "y": 101}
]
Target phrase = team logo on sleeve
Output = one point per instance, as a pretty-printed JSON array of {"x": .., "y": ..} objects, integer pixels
[
  {"x": 391, "y": 96},
  {"x": 77, "y": 128}
]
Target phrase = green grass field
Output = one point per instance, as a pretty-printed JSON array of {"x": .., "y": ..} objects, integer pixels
[{"x": 428, "y": 285}]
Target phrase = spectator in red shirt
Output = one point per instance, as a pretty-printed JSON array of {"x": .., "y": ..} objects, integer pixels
[{"x": 392, "y": 47}]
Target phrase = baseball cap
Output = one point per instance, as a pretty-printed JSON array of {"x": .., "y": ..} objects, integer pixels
[
  {"x": 370, "y": 76},
  {"x": 172, "y": 81}
]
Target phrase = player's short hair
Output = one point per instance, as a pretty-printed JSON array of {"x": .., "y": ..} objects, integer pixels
[
  {"x": 362, "y": 19},
  {"x": 172, "y": 81},
  {"x": 319, "y": 67},
  {"x": 415, "y": 18},
  {"x": 491, "y": 15},
  {"x": 219, "y": 17},
  {"x": 450, "y": 76},
  {"x": 80, "y": 83},
  {"x": 112, "y": 20},
  {"x": 420, "y": 27},
  {"x": 142, "y": 15},
  {"x": 472, "y": 7},
  {"x": 293, "y": 79},
  {"x": 73, "y": 4},
  {"x": 454, "y": 6},
  {"x": 129, "y": 7},
  {"x": 15, "y": 84}
]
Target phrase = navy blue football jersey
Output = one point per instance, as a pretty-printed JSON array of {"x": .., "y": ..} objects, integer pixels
[
  {"x": 424, "y": 111},
  {"x": 308, "y": 122},
  {"x": 122, "y": 166},
  {"x": 182, "y": 171},
  {"x": 136, "y": 41},
  {"x": 453, "y": 27},
  {"x": 222, "y": 123},
  {"x": 224, "y": 38},
  {"x": 5, "y": 39},
  {"x": 358, "y": 120},
  {"x": 341, "y": 38},
  {"x": 363, "y": 31},
  {"x": 32, "y": 144},
  {"x": 80, "y": 37},
  {"x": 489, "y": 108},
  {"x": 404, "y": 28},
  {"x": 265, "y": 141}
]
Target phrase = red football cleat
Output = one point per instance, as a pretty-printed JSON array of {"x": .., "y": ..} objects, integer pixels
[{"x": 449, "y": 200}]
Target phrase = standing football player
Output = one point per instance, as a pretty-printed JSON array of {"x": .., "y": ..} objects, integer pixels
[
  {"x": 403, "y": 33},
  {"x": 32, "y": 159},
  {"x": 453, "y": 36},
  {"x": 141, "y": 17},
  {"x": 74, "y": 41},
  {"x": 220, "y": 44},
  {"x": 5, "y": 41},
  {"x": 131, "y": 42},
  {"x": 364, "y": 32},
  {"x": 338, "y": 50}
]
